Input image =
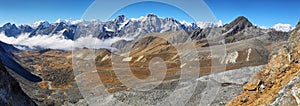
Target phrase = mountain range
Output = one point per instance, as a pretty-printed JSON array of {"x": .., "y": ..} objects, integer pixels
[{"x": 123, "y": 28}]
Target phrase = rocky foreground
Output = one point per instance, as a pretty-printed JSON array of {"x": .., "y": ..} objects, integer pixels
[{"x": 11, "y": 93}]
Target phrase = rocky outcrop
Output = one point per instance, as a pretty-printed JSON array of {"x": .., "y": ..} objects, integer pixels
[
  {"x": 11, "y": 93},
  {"x": 289, "y": 95},
  {"x": 228, "y": 84},
  {"x": 278, "y": 78},
  {"x": 238, "y": 30}
]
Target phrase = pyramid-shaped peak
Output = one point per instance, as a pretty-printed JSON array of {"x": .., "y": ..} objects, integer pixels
[
  {"x": 44, "y": 24},
  {"x": 241, "y": 18},
  {"x": 241, "y": 22}
]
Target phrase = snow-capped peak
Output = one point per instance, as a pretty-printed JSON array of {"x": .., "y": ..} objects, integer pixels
[
  {"x": 282, "y": 27},
  {"x": 60, "y": 20},
  {"x": 209, "y": 24},
  {"x": 186, "y": 23},
  {"x": 68, "y": 22},
  {"x": 38, "y": 23},
  {"x": 203, "y": 24},
  {"x": 220, "y": 23},
  {"x": 148, "y": 17}
]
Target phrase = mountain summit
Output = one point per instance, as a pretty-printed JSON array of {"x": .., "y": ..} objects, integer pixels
[
  {"x": 240, "y": 22},
  {"x": 10, "y": 30},
  {"x": 120, "y": 19},
  {"x": 238, "y": 25}
]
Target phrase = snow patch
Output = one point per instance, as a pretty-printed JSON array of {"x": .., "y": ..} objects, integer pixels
[
  {"x": 109, "y": 30},
  {"x": 139, "y": 59},
  {"x": 123, "y": 24},
  {"x": 127, "y": 59},
  {"x": 69, "y": 22},
  {"x": 105, "y": 58},
  {"x": 182, "y": 65},
  {"x": 231, "y": 58},
  {"x": 248, "y": 55}
]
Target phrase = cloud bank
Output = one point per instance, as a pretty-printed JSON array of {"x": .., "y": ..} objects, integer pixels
[{"x": 58, "y": 42}]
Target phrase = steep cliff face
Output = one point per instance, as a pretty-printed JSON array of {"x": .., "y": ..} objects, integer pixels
[
  {"x": 278, "y": 83},
  {"x": 10, "y": 92}
]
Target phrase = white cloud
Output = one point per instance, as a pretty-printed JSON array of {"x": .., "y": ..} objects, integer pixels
[
  {"x": 69, "y": 21},
  {"x": 263, "y": 27},
  {"x": 186, "y": 23},
  {"x": 58, "y": 42},
  {"x": 283, "y": 27}
]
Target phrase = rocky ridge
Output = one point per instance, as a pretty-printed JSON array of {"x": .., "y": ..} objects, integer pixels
[
  {"x": 119, "y": 27},
  {"x": 277, "y": 79},
  {"x": 11, "y": 93}
]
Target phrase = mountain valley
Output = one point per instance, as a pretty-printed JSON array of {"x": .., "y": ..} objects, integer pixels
[{"x": 227, "y": 56}]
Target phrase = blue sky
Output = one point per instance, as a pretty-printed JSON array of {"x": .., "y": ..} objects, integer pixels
[
  {"x": 260, "y": 12},
  {"x": 29, "y": 11}
]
